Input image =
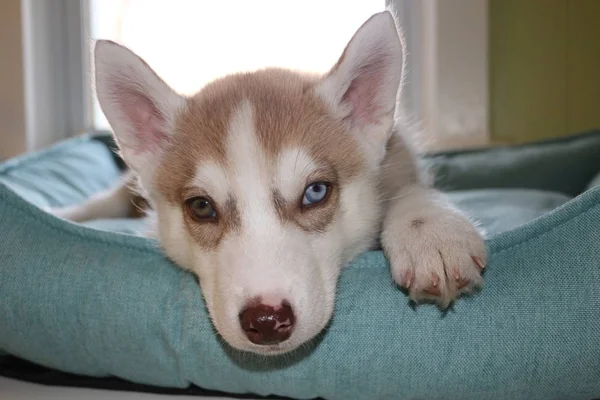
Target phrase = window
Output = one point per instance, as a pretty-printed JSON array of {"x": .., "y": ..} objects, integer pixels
[{"x": 191, "y": 42}]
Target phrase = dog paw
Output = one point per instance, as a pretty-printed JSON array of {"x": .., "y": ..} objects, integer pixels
[{"x": 436, "y": 259}]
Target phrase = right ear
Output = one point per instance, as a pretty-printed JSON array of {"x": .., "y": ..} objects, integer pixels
[
  {"x": 362, "y": 88},
  {"x": 139, "y": 105}
]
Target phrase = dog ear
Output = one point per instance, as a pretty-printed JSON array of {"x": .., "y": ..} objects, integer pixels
[
  {"x": 139, "y": 105},
  {"x": 362, "y": 87}
]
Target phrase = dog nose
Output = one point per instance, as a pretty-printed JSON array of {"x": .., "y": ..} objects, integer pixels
[{"x": 264, "y": 324}]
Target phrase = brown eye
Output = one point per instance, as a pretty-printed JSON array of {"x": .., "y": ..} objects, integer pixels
[{"x": 201, "y": 209}]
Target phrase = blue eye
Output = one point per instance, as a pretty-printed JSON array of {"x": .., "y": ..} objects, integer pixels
[{"x": 315, "y": 193}]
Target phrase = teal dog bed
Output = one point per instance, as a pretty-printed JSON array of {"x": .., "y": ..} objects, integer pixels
[{"x": 95, "y": 300}]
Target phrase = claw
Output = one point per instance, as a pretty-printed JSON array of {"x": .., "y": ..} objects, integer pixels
[
  {"x": 479, "y": 263},
  {"x": 461, "y": 283},
  {"x": 407, "y": 279},
  {"x": 455, "y": 274},
  {"x": 433, "y": 290}
]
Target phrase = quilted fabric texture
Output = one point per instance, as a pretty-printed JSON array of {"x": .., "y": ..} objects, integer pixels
[{"x": 100, "y": 303}]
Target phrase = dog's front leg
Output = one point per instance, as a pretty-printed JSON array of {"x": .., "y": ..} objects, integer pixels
[{"x": 435, "y": 251}]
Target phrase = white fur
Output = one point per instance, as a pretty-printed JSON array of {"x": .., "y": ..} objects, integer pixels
[
  {"x": 212, "y": 178},
  {"x": 375, "y": 43},
  {"x": 265, "y": 259},
  {"x": 376, "y": 38},
  {"x": 294, "y": 166},
  {"x": 110, "y": 203},
  {"x": 362, "y": 209},
  {"x": 425, "y": 238},
  {"x": 118, "y": 70},
  {"x": 248, "y": 172},
  {"x": 171, "y": 232}
]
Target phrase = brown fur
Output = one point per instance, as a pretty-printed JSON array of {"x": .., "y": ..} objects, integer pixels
[
  {"x": 209, "y": 233},
  {"x": 139, "y": 206},
  {"x": 287, "y": 113},
  {"x": 317, "y": 217}
]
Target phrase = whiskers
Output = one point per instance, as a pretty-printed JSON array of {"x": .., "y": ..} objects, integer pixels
[{"x": 399, "y": 196}]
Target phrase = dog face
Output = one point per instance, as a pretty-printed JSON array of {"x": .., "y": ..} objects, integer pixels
[{"x": 264, "y": 184}]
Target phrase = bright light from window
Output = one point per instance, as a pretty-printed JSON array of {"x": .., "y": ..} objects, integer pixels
[{"x": 191, "y": 42}]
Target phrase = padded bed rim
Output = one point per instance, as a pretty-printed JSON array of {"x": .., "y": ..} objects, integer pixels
[
  {"x": 571, "y": 211},
  {"x": 532, "y": 230},
  {"x": 535, "y": 229}
]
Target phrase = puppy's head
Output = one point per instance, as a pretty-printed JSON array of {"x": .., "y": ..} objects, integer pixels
[{"x": 264, "y": 184}]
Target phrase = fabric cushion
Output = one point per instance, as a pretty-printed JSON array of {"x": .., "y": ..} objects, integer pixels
[{"x": 100, "y": 303}]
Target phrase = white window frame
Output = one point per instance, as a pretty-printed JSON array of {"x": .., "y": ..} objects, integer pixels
[
  {"x": 446, "y": 91},
  {"x": 447, "y": 84},
  {"x": 56, "y": 62}
]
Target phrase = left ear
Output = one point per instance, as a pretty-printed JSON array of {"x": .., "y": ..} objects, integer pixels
[
  {"x": 139, "y": 106},
  {"x": 362, "y": 87}
]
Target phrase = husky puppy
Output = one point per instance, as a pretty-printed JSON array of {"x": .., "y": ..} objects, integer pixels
[{"x": 264, "y": 184}]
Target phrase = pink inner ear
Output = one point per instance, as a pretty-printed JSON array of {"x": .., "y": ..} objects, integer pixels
[
  {"x": 146, "y": 121},
  {"x": 364, "y": 92}
]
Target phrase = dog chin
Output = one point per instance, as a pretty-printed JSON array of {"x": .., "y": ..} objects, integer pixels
[
  {"x": 272, "y": 350},
  {"x": 262, "y": 350}
]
